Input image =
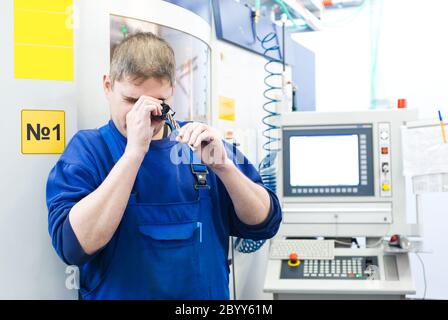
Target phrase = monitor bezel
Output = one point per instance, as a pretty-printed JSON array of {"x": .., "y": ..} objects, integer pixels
[{"x": 326, "y": 191}]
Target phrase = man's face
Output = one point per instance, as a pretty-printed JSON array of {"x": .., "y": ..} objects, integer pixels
[{"x": 125, "y": 94}]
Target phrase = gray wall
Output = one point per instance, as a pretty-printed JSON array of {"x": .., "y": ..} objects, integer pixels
[{"x": 29, "y": 267}]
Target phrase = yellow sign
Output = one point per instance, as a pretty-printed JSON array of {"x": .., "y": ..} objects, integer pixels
[
  {"x": 226, "y": 109},
  {"x": 43, "y": 40},
  {"x": 43, "y": 131}
]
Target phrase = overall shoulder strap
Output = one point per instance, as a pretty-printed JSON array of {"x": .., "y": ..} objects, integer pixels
[
  {"x": 114, "y": 146},
  {"x": 116, "y": 150}
]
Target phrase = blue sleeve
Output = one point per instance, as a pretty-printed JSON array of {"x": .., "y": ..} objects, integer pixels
[
  {"x": 67, "y": 184},
  {"x": 268, "y": 228}
]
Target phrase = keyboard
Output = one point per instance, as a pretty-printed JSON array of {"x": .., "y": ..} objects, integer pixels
[
  {"x": 305, "y": 249},
  {"x": 341, "y": 268}
]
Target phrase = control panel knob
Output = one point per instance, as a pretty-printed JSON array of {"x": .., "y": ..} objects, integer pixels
[{"x": 293, "y": 260}]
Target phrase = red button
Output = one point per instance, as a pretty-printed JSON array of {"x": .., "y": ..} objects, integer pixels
[
  {"x": 384, "y": 150},
  {"x": 293, "y": 257},
  {"x": 402, "y": 103}
]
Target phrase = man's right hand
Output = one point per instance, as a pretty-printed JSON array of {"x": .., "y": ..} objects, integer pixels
[{"x": 139, "y": 125}]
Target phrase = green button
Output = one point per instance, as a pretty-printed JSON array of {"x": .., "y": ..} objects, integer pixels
[{"x": 358, "y": 275}]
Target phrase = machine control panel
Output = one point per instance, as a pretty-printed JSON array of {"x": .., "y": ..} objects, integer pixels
[{"x": 340, "y": 268}]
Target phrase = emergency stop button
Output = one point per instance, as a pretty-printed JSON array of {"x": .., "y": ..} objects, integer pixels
[{"x": 293, "y": 260}]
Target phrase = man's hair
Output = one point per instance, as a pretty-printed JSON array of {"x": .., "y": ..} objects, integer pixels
[{"x": 142, "y": 56}]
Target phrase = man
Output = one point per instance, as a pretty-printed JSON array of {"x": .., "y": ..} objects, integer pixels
[{"x": 139, "y": 223}]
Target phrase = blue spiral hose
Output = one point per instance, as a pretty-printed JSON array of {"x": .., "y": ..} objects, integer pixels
[{"x": 267, "y": 167}]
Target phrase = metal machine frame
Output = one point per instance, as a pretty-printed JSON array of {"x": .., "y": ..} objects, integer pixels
[
  {"x": 367, "y": 216},
  {"x": 347, "y": 216}
]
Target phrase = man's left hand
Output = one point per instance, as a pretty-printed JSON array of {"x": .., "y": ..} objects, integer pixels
[{"x": 207, "y": 143}]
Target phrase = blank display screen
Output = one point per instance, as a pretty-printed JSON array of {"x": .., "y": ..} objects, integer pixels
[{"x": 331, "y": 160}]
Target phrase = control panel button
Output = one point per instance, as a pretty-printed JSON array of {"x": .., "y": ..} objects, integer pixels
[
  {"x": 386, "y": 187},
  {"x": 293, "y": 260}
]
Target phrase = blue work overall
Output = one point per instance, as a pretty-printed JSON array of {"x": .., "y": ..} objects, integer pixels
[{"x": 160, "y": 250}]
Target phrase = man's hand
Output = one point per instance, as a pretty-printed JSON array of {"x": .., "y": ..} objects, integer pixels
[
  {"x": 207, "y": 142},
  {"x": 140, "y": 125},
  {"x": 251, "y": 201}
]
